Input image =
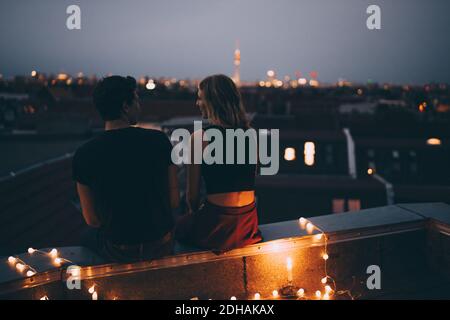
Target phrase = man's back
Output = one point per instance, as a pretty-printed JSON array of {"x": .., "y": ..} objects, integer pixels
[{"x": 127, "y": 172}]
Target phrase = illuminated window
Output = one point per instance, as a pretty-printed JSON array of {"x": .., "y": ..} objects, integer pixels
[
  {"x": 434, "y": 142},
  {"x": 342, "y": 205},
  {"x": 354, "y": 205},
  {"x": 309, "y": 153},
  {"x": 289, "y": 154},
  {"x": 338, "y": 205}
]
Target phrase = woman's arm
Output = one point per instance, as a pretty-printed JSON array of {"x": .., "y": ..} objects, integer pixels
[
  {"x": 87, "y": 205},
  {"x": 174, "y": 194},
  {"x": 193, "y": 176}
]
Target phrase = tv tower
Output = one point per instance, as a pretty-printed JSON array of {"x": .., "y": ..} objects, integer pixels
[{"x": 237, "y": 63}]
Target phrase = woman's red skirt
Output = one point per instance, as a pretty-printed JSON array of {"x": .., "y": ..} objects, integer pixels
[{"x": 219, "y": 228}]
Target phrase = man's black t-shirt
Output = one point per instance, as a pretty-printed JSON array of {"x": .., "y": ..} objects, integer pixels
[{"x": 127, "y": 171}]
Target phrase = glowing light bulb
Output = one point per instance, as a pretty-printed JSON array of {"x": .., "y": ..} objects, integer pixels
[
  {"x": 31, "y": 250},
  {"x": 91, "y": 290},
  {"x": 150, "y": 85},
  {"x": 30, "y": 273},
  {"x": 370, "y": 171},
  {"x": 57, "y": 261},
  {"x": 275, "y": 293},
  {"x": 257, "y": 296},
  {"x": 20, "y": 267},
  {"x": 44, "y": 298},
  {"x": 318, "y": 236},
  {"x": 324, "y": 280},
  {"x": 326, "y": 296},
  {"x": 53, "y": 253},
  {"x": 302, "y": 222},
  {"x": 309, "y": 227},
  {"x": 301, "y": 292},
  {"x": 327, "y": 289},
  {"x": 325, "y": 256},
  {"x": 318, "y": 294},
  {"x": 233, "y": 298},
  {"x": 289, "y": 154},
  {"x": 94, "y": 295},
  {"x": 12, "y": 260}
]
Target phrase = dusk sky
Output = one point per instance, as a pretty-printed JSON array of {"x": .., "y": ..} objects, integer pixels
[{"x": 194, "y": 38}]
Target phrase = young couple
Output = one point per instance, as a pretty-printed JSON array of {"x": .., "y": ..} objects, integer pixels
[{"x": 127, "y": 183}]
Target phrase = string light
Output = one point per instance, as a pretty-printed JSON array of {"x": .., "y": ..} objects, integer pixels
[
  {"x": 53, "y": 253},
  {"x": 302, "y": 222},
  {"x": 20, "y": 267},
  {"x": 30, "y": 273},
  {"x": 91, "y": 290}
]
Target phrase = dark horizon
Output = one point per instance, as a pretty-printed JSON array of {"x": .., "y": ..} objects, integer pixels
[{"x": 191, "y": 40}]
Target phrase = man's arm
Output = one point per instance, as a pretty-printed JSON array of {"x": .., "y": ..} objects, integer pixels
[{"x": 87, "y": 205}]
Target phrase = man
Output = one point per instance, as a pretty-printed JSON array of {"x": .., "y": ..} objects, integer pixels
[{"x": 125, "y": 179}]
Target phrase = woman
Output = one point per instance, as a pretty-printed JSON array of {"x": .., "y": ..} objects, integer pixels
[{"x": 228, "y": 218}]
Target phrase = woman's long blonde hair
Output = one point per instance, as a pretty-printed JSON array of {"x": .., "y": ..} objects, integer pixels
[{"x": 223, "y": 101}]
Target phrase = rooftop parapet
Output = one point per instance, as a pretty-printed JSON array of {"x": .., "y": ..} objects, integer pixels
[{"x": 408, "y": 242}]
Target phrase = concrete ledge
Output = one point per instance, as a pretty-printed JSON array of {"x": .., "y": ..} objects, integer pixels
[{"x": 396, "y": 238}]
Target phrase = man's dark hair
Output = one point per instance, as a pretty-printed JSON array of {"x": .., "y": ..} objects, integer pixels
[{"x": 111, "y": 93}]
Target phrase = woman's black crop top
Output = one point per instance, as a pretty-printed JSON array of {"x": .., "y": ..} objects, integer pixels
[{"x": 222, "y": 178}]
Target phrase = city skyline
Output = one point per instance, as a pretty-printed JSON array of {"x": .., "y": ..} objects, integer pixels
[{"x": 191, "y": 40}]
